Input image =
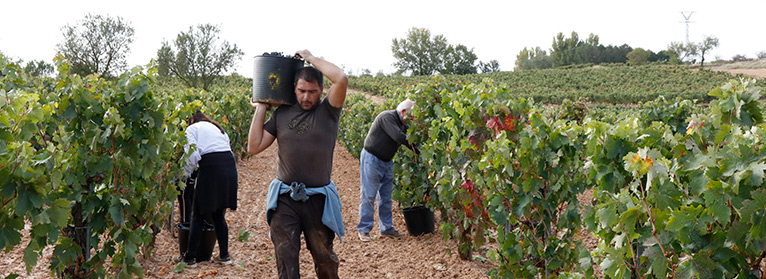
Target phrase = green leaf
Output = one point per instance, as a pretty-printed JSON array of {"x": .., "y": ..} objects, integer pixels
[
  {"x": 722, "y": 133},
  {"x": 615, "y": 148},
  {"x": 179, "y": 267},
  {"x": 718, "y": 205},
  {"x": 608, "y": 216},
  {"x": 118, "y": 216},
  {"x": 756, "y": 177},
  {"x": 41, "y": 218},
  {"x": 438, "y": 110},
  {"x": 697, "y": 161},
  {"x": 680, "y": 219},
  {"x": 629, "y": 218},
  {"x": 30, "y": 256},
  {"x": 522, "y": 202},
  {"x": 9, "y": 231},
  {"x": 700, "y": 266},
  {"x": 243, "y": 235},
  {"x": 59, "y": 212},
  {"x": 698, "y": 182},
  {"x": 657, "y": 260}
]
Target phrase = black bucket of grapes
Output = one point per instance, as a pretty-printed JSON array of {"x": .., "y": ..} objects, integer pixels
[
  {"x": 419, "y": 220},
  {"x": 206, "y": 244},
  {"x": 273, "y": 78}
]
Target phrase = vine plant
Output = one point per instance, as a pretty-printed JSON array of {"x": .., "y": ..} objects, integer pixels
[
  {"x": 682, "y": 205},
  {"x": 89, "y": 164}
]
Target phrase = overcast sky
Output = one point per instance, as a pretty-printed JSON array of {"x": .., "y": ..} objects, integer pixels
[{"x": 357, "y": 35}]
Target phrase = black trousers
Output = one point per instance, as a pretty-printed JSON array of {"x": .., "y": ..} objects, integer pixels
[
  {"x": 195, "y": 233},
  {"x": 289, "y": 220}
]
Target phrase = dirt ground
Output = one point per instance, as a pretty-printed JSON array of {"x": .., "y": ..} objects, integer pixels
[
  {"x": 756, "y": 73},
  {"x": 754, "y": 68},
  {"x": 424, "y": 256}
]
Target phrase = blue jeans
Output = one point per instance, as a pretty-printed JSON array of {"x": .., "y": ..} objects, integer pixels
[{"x": 376, "y": 181}]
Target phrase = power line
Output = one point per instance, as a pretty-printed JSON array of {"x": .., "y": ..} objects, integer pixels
[{"x": 687, "y": 21}]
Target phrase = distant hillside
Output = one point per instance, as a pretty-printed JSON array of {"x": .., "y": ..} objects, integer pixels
[
  {"x": 754, "y": 68},
  {"x": 600, "y": 84}
]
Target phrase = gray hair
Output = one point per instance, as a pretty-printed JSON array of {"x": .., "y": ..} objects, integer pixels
[{"x": 405, "y": 105}]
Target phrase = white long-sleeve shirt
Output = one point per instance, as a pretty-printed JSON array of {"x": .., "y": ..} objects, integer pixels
[{"x": 208, "y": 139}]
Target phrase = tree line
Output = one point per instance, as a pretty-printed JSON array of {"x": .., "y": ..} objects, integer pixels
[
  {"x": 99, "y": 44},
  {"x": 574, "y": 51},
  {"x": 421, "y": 54}
]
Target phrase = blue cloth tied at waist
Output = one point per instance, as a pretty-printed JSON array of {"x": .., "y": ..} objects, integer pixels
[{"x": 331, "y": 216}]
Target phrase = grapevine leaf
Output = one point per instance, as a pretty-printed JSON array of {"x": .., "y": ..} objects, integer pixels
[
  {"x": 680, "y": 219},
  {"x": 700, "y": 266},
  {"x": 69, "y": 112},
  {"x": 499, "y": 215},
  {"x": 59, "y": 212},
  {"x": 698, "y": 182},
  {"x": 3, "y": 151},
  {"x": 629, "y": 218},
  {"x": 697, "y": 161},
  {"x": 9, "y": 231},
  {"x": 117, "y": 214},
  {"x": 523, "y": 201},
  {"x": 438, "y": 110},
  {"x": 589, "y": 220},
  {"x": 750, "y": 208},
  {"x": 738, "y": 233},
  {"x": 41, "y": 218},
  {"x": 722, "y": 133},
  {"x": 756, "y": 177},
  {"x": 723, "y": 254},
  {"x": 718, "y": 206},
  {"x": 615, "y": 148},
  {"x": 657, "y": 260},
  {"x": 30, "y": 256},
  {"x": 691, "y": 239},
  {"x": 4, "y": 121},
  {"x": 23, "y": 202},
  {"x": 586, "y": 262},
  {"x": 6, "y": 187},
  {"x": 608, "y": 215},
  {"x": 179, "y": 267}
]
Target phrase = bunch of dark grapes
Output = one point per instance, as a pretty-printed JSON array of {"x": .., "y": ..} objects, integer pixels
[{"x": 280, "y": 54}]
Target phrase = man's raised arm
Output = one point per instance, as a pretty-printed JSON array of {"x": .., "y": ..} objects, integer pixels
[{"x": 337, "y": 93}]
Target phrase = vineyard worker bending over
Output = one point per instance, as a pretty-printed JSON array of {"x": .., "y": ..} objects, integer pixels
[
  {"x": 303, "y": 198},
  {"x": 388, "y": 132},
  {"x": 216, "y": 185}
]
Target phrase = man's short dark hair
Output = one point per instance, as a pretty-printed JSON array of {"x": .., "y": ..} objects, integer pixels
[{"x": 310, "y": 74}]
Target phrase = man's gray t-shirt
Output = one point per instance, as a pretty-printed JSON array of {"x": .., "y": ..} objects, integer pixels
[{"x": 306, "y": 141}]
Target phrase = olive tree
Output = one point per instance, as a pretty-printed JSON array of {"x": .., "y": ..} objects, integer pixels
[
  {"x": 97, "y": 44},
  {"x": 707, "y": 44},
  {"x": 198, "y": 60},
  {"x": 683, "y": 51}
]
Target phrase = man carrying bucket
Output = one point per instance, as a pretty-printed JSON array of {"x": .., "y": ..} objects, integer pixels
[
  {"x": 303, "y": 198},
  {"x": 388, "y": 132}
]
